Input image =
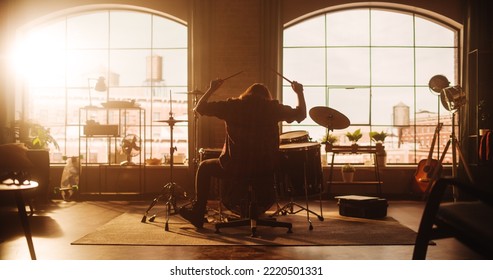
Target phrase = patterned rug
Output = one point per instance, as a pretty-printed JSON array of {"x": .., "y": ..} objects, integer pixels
[{"x": 334, "y": 230}]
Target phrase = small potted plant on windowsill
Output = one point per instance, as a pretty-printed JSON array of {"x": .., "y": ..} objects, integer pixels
[
  {"x": 347, "y": 171},
  {"x": 329, "y": 140},
  {"x": 354, "y": 138},
  {"x": 379, "y": 138}
]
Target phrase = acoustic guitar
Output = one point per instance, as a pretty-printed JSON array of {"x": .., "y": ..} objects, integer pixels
[{"x": 428, "y": 169}]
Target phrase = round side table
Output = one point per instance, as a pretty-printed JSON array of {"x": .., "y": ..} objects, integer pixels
[{"x": 21, "y": 207}]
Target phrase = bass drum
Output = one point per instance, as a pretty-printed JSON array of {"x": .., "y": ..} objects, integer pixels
[
  {"x": 300, "y": 163},
  {"x": 296, "y": 136}
]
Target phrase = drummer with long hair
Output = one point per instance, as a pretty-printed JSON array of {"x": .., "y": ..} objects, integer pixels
[{"x": 251, "y": 146}]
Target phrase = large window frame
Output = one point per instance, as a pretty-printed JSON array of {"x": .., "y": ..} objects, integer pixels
[
  {"x": 318, "y": 51},
  {"x": 143, "y": 56}
]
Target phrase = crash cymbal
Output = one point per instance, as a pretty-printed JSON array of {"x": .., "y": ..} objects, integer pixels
[{"x": 329, "y": 118}]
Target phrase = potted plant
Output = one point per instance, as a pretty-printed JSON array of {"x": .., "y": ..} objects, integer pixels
[
  {"x": 354, "y": 136},
  {"x": 35, "y": 136},
  {"x": 379, "y": 138},
  {"x": 347, "y": 171},
  {"x": 37, "y": 139},
  {"x": 329, "y": 140}
]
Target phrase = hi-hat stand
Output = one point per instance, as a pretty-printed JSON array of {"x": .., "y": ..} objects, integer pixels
[{"x": 169, "y": 191}]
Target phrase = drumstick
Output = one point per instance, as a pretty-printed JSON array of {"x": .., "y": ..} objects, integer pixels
[
  {"x": 232, "y": 75},
  {"x": 282, "y": 76}
]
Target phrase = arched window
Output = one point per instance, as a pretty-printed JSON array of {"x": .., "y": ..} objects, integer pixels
[
  {"x": 141, "y": 55},
  {"x": 373, "y": 65}
]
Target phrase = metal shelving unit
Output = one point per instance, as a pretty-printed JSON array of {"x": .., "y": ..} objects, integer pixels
[{"x": 101, "y": 131}]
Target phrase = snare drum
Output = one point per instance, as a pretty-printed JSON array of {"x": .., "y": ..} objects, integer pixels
[
  {"x": 300, "y": 162},
  {"x": 297, "y": 136}
]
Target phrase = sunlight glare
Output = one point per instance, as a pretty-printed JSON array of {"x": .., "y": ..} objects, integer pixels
[{"x": 39, "y": 57}]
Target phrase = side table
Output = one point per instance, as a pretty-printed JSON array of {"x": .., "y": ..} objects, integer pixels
[
  {"x": 355, "y": 149},
  {"x": 21, "y": 207}
]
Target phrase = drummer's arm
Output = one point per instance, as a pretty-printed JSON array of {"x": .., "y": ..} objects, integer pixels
[
  {"x": 214, "y": 85},
  {"x": 301, "y": 108}
]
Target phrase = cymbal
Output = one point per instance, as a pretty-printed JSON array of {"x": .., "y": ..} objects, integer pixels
[
  {"x": 329, "y": 118},
  {"x": 171, "y": 121}
]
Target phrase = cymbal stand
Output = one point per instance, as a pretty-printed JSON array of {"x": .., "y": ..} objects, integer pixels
[{"x": 169, "y": 190}]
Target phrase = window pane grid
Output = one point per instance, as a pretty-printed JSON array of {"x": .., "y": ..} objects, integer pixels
[
  {"x": 84, "y": 46},
  {"x": 401, "y": 56}
]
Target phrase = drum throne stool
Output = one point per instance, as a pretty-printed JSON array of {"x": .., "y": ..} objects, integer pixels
[{"x": 250, "y": 198}]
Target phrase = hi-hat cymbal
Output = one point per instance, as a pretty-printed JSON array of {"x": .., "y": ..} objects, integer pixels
[
  {"x": 329, "y": 118},
  {"x": 171, "y": 121}
]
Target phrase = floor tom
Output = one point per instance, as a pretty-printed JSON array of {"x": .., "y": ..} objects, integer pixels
[{"x": 300, "y": 168}]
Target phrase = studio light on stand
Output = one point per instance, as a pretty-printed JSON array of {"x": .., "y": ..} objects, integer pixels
[
  {"x": 452, "y": 99},
  {"x": 100, "y": 87}
]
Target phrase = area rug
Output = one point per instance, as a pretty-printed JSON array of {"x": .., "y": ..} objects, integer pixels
[{"x": 334, "y": 230}]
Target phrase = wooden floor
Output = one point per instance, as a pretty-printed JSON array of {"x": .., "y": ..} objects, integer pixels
[{"x": 57, "y": 224}]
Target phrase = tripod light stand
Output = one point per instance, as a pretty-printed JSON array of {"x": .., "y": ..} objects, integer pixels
[{"x": 452, "y": 98}]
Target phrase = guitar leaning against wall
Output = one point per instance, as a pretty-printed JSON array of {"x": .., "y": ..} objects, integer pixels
[{"x": 428, "y": 169}]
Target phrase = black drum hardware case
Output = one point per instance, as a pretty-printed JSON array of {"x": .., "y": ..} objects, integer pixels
[{"x": 362, "y": 206}]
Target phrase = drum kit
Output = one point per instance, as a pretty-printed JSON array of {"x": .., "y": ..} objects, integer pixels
[{"x": 299, "y": 174}]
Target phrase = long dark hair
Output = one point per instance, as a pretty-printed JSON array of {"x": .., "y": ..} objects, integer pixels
[{"x": 256, "y": 91}]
